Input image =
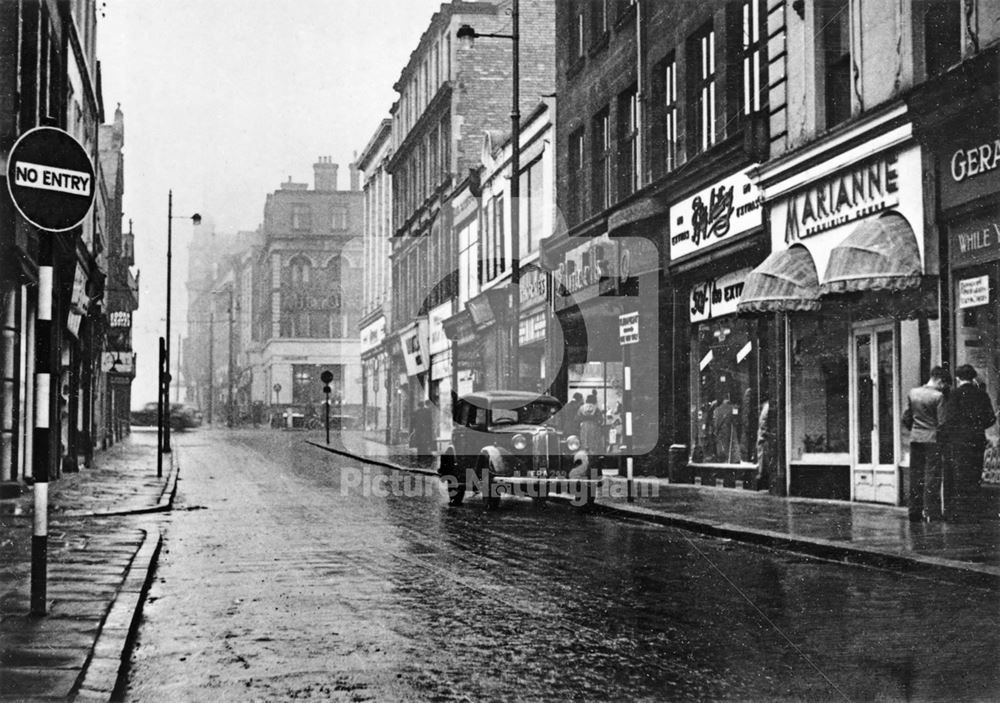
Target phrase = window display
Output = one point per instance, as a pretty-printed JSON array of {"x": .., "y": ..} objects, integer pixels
[
  {"x": 819, "y": 387},
  {"x": 977, "y": 328},
  {"x": 725, "y": 393}
]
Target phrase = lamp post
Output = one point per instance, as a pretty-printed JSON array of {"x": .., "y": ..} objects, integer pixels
[
  {"x": 165, "y": 380},
  {"x": 468, "y": 35}
]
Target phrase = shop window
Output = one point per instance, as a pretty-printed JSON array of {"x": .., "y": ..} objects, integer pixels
[
  {"x": 977, "y": 328},
  {"x": 819, "y": 387},
  {"x": 725, "y": 390},
  {"x": 833, "y": 53}
]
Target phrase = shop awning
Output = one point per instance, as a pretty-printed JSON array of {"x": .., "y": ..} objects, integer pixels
[
  {"x": 880, "y": 254},
  {"x": 784, "y": 281}
]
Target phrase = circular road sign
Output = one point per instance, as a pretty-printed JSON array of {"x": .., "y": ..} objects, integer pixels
[
  {"x": 51, "y": 179},
  {"x": 326, "y": 377},
  {"x": 277, "y": 387}
]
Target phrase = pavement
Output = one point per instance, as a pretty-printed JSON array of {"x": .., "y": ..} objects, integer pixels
[
  {"x": 880, "y": 536},
  {"x": 101, "y": 559}
]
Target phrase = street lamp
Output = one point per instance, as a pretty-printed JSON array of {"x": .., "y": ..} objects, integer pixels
[
  {"x": 466, "y": 35},
  {"x": 165, "y": 381}
]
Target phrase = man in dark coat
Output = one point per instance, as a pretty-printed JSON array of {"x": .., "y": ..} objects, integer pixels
[
  {"x": 969, "y": 412},
  {"x": 570, "y": 421}
]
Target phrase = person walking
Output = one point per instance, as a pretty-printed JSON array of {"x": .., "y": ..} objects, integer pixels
[
  {"x": 969, "y": 413},
  {"x": 570, "y": 421},
  {"x": 423, "y": 430},
  {"x": 925, "y": 416},
  {"x": 591, "y": 420}
]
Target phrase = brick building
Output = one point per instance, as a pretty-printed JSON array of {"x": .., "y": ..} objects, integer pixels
[{"x": 449, "y": 96}]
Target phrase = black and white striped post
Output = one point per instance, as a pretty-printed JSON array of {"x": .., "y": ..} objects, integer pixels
[
  {"x": 628, "y": 334},
  {"x": 51, "y": 181},
  {"x": 45, "y": 390}
]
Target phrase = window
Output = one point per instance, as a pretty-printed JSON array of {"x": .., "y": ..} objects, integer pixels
[
  {"x": 834, "y": 58},
  {"x": 601, "y": 177},
  {"x": 599, "y": 19},
  {"x": 576, "y": 34},
  {"x": 942, "y": 29},
  {"x": 725, "y": 390},
  {"x": 300, "y": 269},
  {"x": 628, "y": 145},
  {"x": 532, "y": 208},
  {"x": 499, "y": 238},
  {"x": 702, "y": 48},
  {"x": 301, "y": 216},
  {"x": 818, "y": 383},
  {"x": 339, "y": 217},
  {"x": 754, "y": 63},
  {"x": 468, "y": 255},
  {"x": 575, "y": 196},
  {"x": 670, "y": 114}
]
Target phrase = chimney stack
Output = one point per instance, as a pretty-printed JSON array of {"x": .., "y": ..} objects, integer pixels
[
  {"x": 355, "y": 173},
  {"x": 325, "y": 173}
]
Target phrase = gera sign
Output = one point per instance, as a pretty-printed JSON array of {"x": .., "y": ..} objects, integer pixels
[{"x": 51, "y": 179}]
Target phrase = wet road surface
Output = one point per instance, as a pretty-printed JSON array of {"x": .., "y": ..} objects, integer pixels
[{"x": 289, "y": 573}]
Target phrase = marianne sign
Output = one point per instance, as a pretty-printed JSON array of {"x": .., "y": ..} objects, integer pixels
[{"x": 51, "y": 179}]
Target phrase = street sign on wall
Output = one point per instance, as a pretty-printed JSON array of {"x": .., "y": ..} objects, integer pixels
[{"x": 51, "y": 179}]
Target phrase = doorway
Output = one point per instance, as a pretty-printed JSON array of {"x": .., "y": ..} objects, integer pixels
[{"x": 874, "y": 413}]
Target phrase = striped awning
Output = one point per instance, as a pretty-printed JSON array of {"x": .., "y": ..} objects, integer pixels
[
  {"x": 880, "y": 254},
  {"x": 784, "y": 281}
]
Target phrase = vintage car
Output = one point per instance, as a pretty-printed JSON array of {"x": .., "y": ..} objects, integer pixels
[
  {"x": 510, "y": 442},
  {"x": 182, "y": 417}
]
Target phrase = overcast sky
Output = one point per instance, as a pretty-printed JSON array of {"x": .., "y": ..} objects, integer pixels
[{"x": 224, "y": 100}]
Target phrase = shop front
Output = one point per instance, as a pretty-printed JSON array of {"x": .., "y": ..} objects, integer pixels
[
  {"x": 855, "y": 309},
  {"x": 967, "y": 152},
  {"x": 722, "y": 364},
  {"x": 439, "y": 390},
  {"x": 532, "y": 328},
  {"x": 374, "y": 373}
]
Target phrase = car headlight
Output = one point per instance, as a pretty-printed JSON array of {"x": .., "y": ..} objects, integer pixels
[
  {"x": 572, "y": 442},
  {"x": 520, "y": 442}
]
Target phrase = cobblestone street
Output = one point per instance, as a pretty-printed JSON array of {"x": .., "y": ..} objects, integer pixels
[{"x": 280, "y": 579}]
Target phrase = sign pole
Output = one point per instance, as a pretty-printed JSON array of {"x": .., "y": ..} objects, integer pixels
[
  {"x": 327, "y": 377},
  {"x": 45, "y": 354},
  {"x": 159, "y": 409},
  {"x": 50, "y": 178}
]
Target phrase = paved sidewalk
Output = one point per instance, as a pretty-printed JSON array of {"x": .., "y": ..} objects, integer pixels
[
  {"x": 876, "y": 535},
  {"x": 99, "y": 563}
]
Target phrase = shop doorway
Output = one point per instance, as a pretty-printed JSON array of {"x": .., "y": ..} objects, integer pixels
[{"x": 874, "y": 413}]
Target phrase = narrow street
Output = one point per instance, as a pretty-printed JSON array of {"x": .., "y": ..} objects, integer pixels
[{"x": 282, "y": 578}]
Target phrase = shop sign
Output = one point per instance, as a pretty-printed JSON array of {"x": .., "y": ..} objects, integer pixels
[
  {"x": 970, "y": 163},
  {"x": 723, "y": 211},
  {"x": 973, "y": 292},
  {"x": 440, "y": 366},
  {"x": 628, "y": 328},
  {"x": 414, "y": 349},
  {"x": 120, "y": 319},
  {"x": 975, "y": 241},
  {"x": 849, "y": 195},
  {"x": 531, "y": 328},
  {"x": 534, "y": 287},
  {"x": 717, "y": 297},
  {"x": 439, "y": 341},
  {"x": 373, "y": 334},
  {"x": 586, "y": 267}
]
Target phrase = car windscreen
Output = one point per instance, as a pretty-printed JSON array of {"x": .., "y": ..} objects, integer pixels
[{"x": 530, "y": 414}]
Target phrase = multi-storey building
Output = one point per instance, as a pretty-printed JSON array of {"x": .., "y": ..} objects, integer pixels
[
  {"x": 307, "y": 293},
  {"x": 871, "y": 281},
  {"x": 449, "y": 96},
  {"x": 49, "y": 75},
  {"x": 658, "y": 104},
  {"x": 377, "y": 293}
]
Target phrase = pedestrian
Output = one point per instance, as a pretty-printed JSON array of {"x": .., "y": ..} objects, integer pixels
[
  {"x": 423, "y": 431},
  {"x": 570, "y": 421},
  {"x": 591, "y": 420},
  {"x": 765, "y": 446},
  {"x": 969, "y": 412},
  {"x": 925, "y": 416}
]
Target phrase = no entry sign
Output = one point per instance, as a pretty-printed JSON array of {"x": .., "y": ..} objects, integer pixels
[{"x": 51, "y": 179}]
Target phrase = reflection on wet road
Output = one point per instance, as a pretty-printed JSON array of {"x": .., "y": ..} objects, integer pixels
[{"x": 294, "y": 582}]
